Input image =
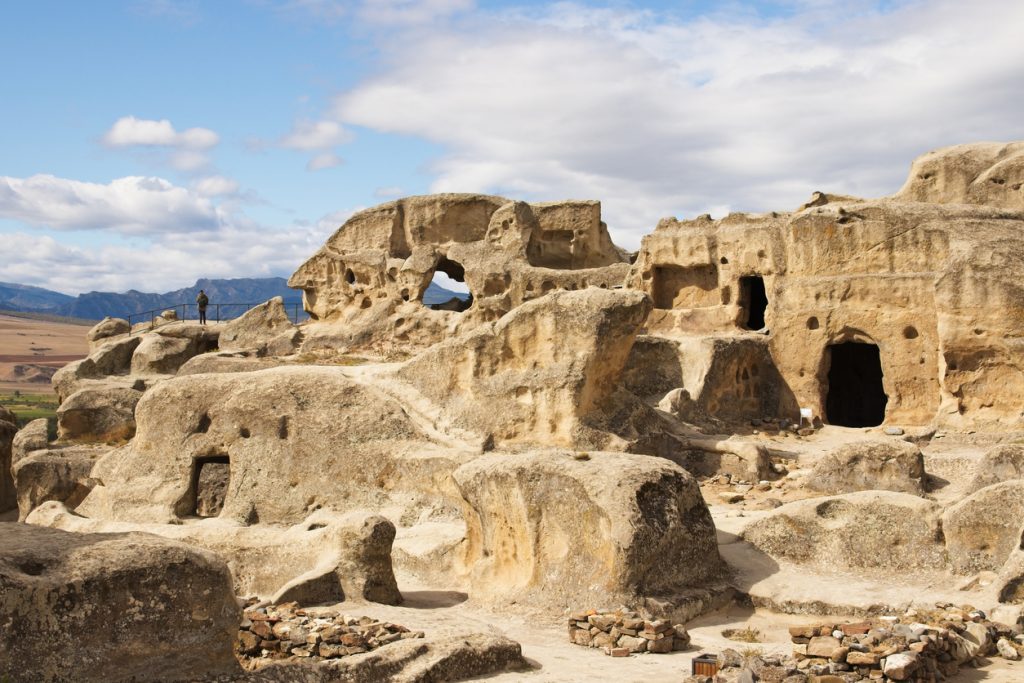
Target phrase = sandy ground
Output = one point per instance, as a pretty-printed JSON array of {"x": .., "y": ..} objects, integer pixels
[{"x": 37, "y": 342}]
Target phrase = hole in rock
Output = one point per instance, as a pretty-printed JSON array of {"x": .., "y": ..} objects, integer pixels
[
  {"x": 244, "y": 432},
  {"x": 856, "y": 397},
  {"x": 448, "y": 290},
  {"x": 210, "y": 477},
  {"x": 812, "y": 323},
  {"x": 282, "y": 427},
  {"x": 754, "y": 301},
  {"x": 350, "y": 277},
  {"x": 723, "y": 260},
  {"x": 204, "y": 424},
  {"x": 910, "y": 332}
]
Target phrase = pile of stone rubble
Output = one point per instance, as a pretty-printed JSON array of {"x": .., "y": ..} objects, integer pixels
[
  {"x": 922, "y": 646},
  {"x": 274, "y": 632},
  {"x": 622, "y": 633}
]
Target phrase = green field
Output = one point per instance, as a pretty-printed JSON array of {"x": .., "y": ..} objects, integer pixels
[{"x": 28, "y": 407}]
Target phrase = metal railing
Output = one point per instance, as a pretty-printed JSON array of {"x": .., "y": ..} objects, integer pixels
[{"x": 214, "y": 313}]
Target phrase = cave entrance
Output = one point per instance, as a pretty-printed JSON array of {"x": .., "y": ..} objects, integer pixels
[
  {"x": 754, "y": 302},
  {"x": 856, "y": 397},
  {"x": 210, "y": 477},
  {"x": 447, "y": 290}
]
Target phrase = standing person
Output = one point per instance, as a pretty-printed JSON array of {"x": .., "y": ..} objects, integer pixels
[{"x": 202, "y": 301}]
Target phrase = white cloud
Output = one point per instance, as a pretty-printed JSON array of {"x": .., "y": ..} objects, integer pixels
[
  {"x": 133, "y": 205},
  {"x": 310, "y": 136},
  {"x": 129, "y": 131},
  {"x": 411, "y": 11},
  {"x": 656, "y": 115},
  {"x": 215, "y": 185},
  {"x": 324, "y": 160}
]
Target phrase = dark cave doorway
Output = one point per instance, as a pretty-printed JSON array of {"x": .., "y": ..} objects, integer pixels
[
  {"x": 211, "y": 476},
  {"x": 448, "y": 290},
  {"x": 754, "y": 300},
  {"x": 856, "y": 396}
]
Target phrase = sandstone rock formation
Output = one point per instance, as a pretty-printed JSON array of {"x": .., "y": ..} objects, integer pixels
[
  {"x": 59, "y": 473},
  {"x": 370, "y": 276},
  {"x": 868, "y": 529},
  {"x": 872, "y": 465},
  {"x": 8, "y": 429},
  {"x": 101, "y": 607},
  {"x": 983, "y": 529},
  {"x": 986, "y": 173},
  {"x": 105, "y": 329},
  {"x": 264, "y": 330},
  {"x": 98, "y": 413},
  {"x": 999, "y": 464}
]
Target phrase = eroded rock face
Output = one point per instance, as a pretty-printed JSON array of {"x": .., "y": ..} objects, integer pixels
[
  {"x": 877, "y": 311},
  {"x": 558, "y": 530},
  {"x": 1002, "y": 463},
  {"x": 60, "y": 473},
  {"x": 858, "y": 530},
  {"x": 265, "y": 330},
  {"x": 536, "y": 375},
  {"x": 8, "y": 429},
  {"x": 106, "y": 328},
  {"x": 370, "y": 276},
  {"x": 165, "y": 350},
  {"x": 870, "y": 465},
  {"x": 295, "y": 438},
  {"x": 113, "y": 357},
  {"x": 98, "y": 413},
  {"x": 983, "y": 529},
  {"x": 101, "y": 607}
]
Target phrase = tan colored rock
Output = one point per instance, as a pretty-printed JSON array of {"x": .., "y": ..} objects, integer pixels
[
  {"x": 113, "y": 357},
  {"x": 98, "y": 413},
  {"x": 164, "y": 351},
  {"x": 988, "y": 173},
  {"x": 105, "y": 329},
  {"x": 59, "y": 473},
  {"x": 999, "y": 464},
  {"x": 866, "y": 529},
  {"x": 983, "y": 529},
  {"x": 102, "y": 607},
  {"x": 560, "y": 531},
  {"x": 889, "y": 465},
  {"x": 366, "y": 283},
  {"x": 539, "y": 374},
  {"x": 296, "y": 438},
  {"x": 8, "y": 430},
  {"x": 266, "y": 330},
  {"x": 234, "y": 361},
  {"x": 31, "y": 437}
]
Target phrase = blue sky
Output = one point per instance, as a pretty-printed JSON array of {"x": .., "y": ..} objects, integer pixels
[{"x": 144, "y": 144}]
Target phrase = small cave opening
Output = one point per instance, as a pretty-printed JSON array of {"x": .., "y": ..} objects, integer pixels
[
  {"x": 856, "y": 396},
  {"x": 447, "y": 290},
  {"x": 211, "y": 475},
  {"x": 754, "y": 302}
]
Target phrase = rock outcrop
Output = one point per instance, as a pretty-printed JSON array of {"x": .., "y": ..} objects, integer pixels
[
  {"x": 265, "y": 330},
  {"x": 536, "y": 375},
  {"x": 8, "y": 429},
  {"x": 105, "y": 329},
  {"x": 999, "y": 464},
  {"x": 59, "y": 473},
  {"x": 98, "y": 412},
  {"x": 983, "y": 529},
  {"x": 868, "y": 529},
  {"x": 102, "y": 607},
  {"x": 870, "y": 465},
  {"x": 563, "y": 531}
]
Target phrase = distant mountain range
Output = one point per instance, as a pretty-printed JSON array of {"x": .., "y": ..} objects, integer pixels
[{"x": 98, "y": 305}]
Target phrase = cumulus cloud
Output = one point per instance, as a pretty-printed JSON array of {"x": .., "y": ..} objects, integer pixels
[
  {"x": 324, "y": 160},
  {"x": 186, "y": 150},
  {"x": 133, "y": 205},
  {"x": 215, "y": 186},
  {"x": 660, "y": 115},
  {"x": 319, "y": 137}
]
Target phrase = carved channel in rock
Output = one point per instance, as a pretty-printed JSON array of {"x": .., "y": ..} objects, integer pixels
[{"x": 856, "y": 397}]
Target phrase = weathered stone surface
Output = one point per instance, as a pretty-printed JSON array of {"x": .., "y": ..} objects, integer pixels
[
  {"x": 266, "y": 330},
  {"x": 113, "y": 357},
  {"x": 98, "y": 412},
  {"x": 165, "y": 350},
  {"x": 60, "y": 473},
  {"x": 999, "y": 464},
  {"x": 296, "y": 438},
  {"x": 900, "y": 666},
  {"x": 983, "y": 529},
  {"x": 101, "y": 607},
  {"x": 106, "y": 328},
  {"x": 8, "y": 430},
  {"x": 227, "y": 362},
  {"x": 979, "y": 173},
  {"x": 870, "y": 465},
  {"x": 31, "y": 437},
  {"x": 365, "y": 286},
  {"x": 270, "y": 560},
  {"x": 571, "y": 532},
  {"x": 865, "y": 529},
  {"x": 540, "y": 373}
]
